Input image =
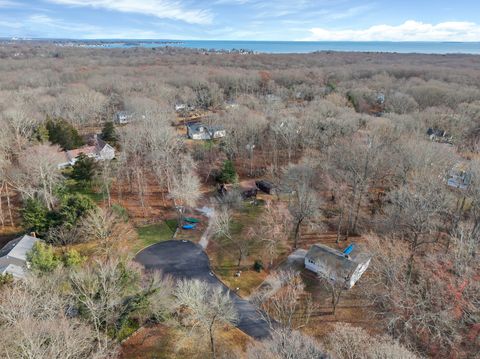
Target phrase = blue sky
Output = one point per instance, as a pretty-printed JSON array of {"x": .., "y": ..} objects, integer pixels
[{"x": 407, "y": 20}]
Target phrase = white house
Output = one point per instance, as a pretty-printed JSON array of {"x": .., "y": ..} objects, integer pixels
[
  {"x": 346, "y": 267},
  {"x": 184, "y": 107},
  {"x": 99, "y": 150},
  {"x": 122, "y": 117},
  {"x": 197, "y": 131},
  {"x": 13, "y": 256}
]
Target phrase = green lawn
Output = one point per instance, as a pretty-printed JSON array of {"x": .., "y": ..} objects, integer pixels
[
  {"x": 89, "y": 191},
  {"x": 154, "y": 233}
]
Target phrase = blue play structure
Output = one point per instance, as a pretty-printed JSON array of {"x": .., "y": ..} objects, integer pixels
[
  {"x": 349, "y": 249},
  {"x": 189, "y": 226}
]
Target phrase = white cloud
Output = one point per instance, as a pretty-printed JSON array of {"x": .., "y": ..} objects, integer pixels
[
  {"x": 408, "y": 31},
  {"x": 165, "y": 9},
  {"x": 52, "y": 25}
]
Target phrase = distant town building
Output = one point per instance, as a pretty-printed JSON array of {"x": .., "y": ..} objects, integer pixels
[
  {"x": 344, "y": 267},
  {"x": 197, "y": 131},
  {"x": 13, "y": 256}
]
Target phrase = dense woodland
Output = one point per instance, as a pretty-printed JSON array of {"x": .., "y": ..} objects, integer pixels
[{"x": 345, "y": 134}]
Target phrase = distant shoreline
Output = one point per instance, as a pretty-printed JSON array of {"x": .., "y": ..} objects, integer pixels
[{"x": 273, "y": 47}]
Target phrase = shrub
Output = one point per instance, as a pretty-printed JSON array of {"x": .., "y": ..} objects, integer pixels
[
  {"x": 127, "y": 328},
  {"x": 35, "y": 216},
  {"x": 228, "y": 173},
  {"x": 5, "y": 279},
  {"x": 120, "y": 211},
  {"x": 258, "y": 266},
  {"x": 42, "y": 258},
  {"x": 83, "y": 170},
  {"x": 73, "y": 207},
  {"x": 72, "y": 258},
  {"x": 109, "y": 133}
]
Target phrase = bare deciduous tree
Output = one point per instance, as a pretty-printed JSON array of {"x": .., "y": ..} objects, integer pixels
[
  {"x": 222, "y": 228},
  {"x": 303, "y": 203},
  {"x": 347, "y": 342},
  {"x": 416, "y": 210},
  {"x": 336, "y": 285},
  {"x": 35, "y": 324},
  {"x": 283, "y": 299},
  {"x": 185, "y": 185},
  {"x": 207, "y": 308},
  {"x": 286, "y": 344},
  {"x": 106, "y": 227},
  {"x": 39, "y": 173},
  {"x": 274, "y": 229},
  {"x": 100, "y": 290}
]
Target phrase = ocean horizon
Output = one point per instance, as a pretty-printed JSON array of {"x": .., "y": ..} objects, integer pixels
[{"x": 285, "y": 47}]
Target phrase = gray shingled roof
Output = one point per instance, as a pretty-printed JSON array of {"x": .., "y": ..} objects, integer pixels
[
  {"x": 340, "y": 264},
  {"x": 13, "y": 269},
  {"x": 18, "y": 247},
  {"x": 195, "y": 127}
]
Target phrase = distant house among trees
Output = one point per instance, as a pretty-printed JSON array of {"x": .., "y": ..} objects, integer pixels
[
  {"x": 122, "y": 117},
  {"x": 341, "y": 267},
  {"x": 98, "y": 150},
  {"x": 184, "y": 107},
  {"x": 459, "y": 177},
  {"x": 13, "y": 256},
  {"x": 197, "y": 131}
]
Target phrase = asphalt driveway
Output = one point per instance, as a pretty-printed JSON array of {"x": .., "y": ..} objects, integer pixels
[{"x": 188, "y": 260}]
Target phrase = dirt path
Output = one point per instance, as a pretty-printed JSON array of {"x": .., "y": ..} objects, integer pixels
[{"x": 208, "y": 212}]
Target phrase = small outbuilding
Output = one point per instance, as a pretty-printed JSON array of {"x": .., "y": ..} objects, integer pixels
[
  {"x": 265, "y": 186},
  {"x": 13, "y": 256},
  {"x": 459, "y": 177},
  {"x": 438, "y": 135},
  {"x": 344, "y": 267}
]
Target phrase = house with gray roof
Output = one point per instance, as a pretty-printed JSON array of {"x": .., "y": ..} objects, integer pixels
[
  {"x": 98, "y": 149},
  {"x": 198, "y": 131},
  {"x": 345, "y": 267},
  {"x": 13, "y": 256}
]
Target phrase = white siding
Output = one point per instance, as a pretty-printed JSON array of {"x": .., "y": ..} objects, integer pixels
[
  {"x": 310, "y": 266},
  {"x": 219, "y": 134},
  {"x": 358, "y": 272}
]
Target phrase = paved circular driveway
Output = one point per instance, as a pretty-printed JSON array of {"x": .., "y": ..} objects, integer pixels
[{"x": 188, "y": 260}]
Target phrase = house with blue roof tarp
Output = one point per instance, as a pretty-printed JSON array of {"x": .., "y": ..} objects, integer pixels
[{"x": 344, "y": 267}]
